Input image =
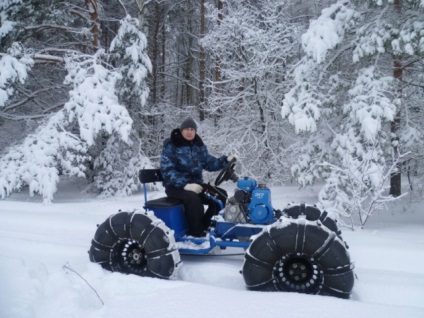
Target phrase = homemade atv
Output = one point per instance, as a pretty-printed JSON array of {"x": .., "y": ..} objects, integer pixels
[{"x": 298, "y": 249}]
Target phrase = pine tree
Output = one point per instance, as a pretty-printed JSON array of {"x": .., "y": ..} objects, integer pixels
[
  {"x": 97, "y": 133},
  {"x": 117, "y": 165},
  {"x": 347, "y": 99},
  {"x": 62, "y": 145}
]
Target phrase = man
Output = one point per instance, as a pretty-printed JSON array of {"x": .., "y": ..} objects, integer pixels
[{"x": 184, "y": 157}]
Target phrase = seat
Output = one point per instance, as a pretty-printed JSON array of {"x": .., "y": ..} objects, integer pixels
[{"x": 169, "y": 210}]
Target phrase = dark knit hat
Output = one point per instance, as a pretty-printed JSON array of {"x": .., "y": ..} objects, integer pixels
[{"x": 188, "y": 123}]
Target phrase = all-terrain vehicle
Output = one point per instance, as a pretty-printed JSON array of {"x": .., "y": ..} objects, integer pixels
[{"x": 297, "y": 249}]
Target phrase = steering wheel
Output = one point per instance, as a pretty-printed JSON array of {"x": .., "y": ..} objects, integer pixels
[{"x": 227, "y": 173}]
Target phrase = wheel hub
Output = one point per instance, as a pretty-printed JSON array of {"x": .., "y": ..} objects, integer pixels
[
  {"x": 131, "y": 257},
  {"x": 297, "y": 273}
]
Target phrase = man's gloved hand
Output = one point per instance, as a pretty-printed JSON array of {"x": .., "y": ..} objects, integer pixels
[
  {"x": 197, "y": 188},
  {"x": 233, "y": 157}
]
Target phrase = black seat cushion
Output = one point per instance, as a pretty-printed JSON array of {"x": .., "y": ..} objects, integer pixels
[{"x": 164, "y": 202}]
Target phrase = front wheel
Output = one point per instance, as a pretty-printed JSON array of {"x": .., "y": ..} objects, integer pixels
[
  {"x": 297, "y": 255},
  {"x": 135, "y": 243}
]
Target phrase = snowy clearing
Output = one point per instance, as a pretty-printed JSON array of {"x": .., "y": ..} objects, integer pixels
[{"x": 38, "y": 240}]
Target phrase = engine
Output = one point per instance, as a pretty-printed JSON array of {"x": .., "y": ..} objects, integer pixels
[
  {"x": 260, "y": 209},
  {"x": 251, "y": 202},
  {"x": 234, "y": 212}
]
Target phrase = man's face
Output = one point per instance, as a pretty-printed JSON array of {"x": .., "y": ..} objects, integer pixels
[{"x": 188, "y": 133}]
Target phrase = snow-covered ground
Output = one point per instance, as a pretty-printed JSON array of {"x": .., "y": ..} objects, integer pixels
[{"x": 38, "y": 241}]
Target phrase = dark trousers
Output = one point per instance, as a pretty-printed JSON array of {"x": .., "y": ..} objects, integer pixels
[{"x": 199, "y": 221}]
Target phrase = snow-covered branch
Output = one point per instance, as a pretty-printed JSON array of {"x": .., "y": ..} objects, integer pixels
[
  {"x": 14, "y": 67},
  {"x": 358, "y": 186}
]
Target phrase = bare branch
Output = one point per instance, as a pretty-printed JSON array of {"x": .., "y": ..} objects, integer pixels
[
  {"x": 68, "y": 267},
  {"x": 28, "y": 97},
  {"x": 41, "y": 27},
  {"x": 20, "y": 117},
  {"x": 42, "y": 58},
  {"x": 122, "y": 5}
]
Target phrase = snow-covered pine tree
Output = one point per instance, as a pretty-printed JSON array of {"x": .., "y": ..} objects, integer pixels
[
  {"x": 357, "y": 185},
  {"x": 38, "y": 161},
  {"x": 61, "y": 146},
  {"x": 116, "y": 166},
  {"x": 348, "y": 98},
  {"x": 93, "y": 134}
]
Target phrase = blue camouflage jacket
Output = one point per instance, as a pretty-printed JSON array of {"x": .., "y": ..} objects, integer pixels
[{"x": 182, "y": 161}]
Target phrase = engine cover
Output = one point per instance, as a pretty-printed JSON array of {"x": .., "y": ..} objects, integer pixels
[
  {"x": 246, "y": 184},
  {"x": 260, "y": 208}
]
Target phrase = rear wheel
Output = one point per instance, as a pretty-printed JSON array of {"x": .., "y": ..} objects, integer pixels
[
  {"x": 297, "y": 255},
  {"x": 135, "y": 243}
]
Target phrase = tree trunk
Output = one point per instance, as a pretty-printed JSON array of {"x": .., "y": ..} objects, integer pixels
[
  {"x": 218, "y": 75},
  {"x": 95, "y": 28},
  {"x": 202, "y": 58},
  {"x": 142, "y": 13},
  {"x": 188, "y": 68},
  {"x": 395, "y": 178},
  {"x": 162, "y": 69},
  {"x": 155, "y": 55},
  {"x": 218, "y": 87}
]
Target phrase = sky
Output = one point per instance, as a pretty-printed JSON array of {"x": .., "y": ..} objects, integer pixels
[{"x": 45, "y": 270}]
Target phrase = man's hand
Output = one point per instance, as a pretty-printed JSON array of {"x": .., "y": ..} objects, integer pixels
[
  {"x": 197, "y": 188},
  {"x": 233, "y": 158}
]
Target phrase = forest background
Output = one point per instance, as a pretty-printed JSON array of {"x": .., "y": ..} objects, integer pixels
[{"x": 303, "y": 91}]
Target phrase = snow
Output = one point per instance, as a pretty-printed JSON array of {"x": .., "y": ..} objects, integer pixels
[
  {"x": 12, "y": 70},
  {"x": 94, "y": 100},
  {"x": 38, "y": 241},
  {"x": 327, "y": 31}
]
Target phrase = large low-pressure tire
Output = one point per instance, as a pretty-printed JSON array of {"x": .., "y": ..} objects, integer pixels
[
  {"x": 312, "y": 213},
  {"x": 135, "y": 243},
  {"x": 298, "y": 255}
]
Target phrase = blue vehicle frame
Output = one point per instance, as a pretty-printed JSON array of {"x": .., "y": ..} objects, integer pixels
[{"x": 222, "y": 234}]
